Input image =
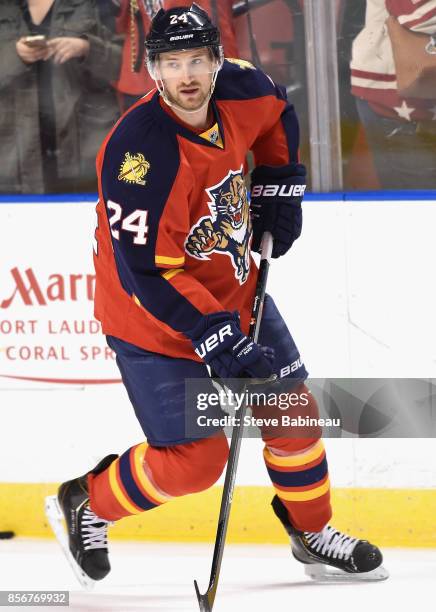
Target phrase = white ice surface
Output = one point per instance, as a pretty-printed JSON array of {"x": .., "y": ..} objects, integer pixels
[{"x": 151, "y": 576}]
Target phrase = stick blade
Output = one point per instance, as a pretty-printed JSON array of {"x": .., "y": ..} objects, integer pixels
[{"x": 204, "y": 601}]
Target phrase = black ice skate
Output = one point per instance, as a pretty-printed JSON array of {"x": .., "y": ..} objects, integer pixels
[
  {"x": 85, "y": 541},
  {"x": 330, "y": 554}
]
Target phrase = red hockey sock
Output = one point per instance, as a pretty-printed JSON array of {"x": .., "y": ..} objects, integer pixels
[
  {"x": 147, "y": 476},
  {"x": 298, "y": 467},
  {"x": 188, "y": 468},
  {"x": 124, "y": 488},
  {"x": 301, "y": 481}
]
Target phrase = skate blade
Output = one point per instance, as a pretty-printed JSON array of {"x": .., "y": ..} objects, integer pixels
[
  {"x": 55, "y": 518},
  {"x": 326, "y": 573}
]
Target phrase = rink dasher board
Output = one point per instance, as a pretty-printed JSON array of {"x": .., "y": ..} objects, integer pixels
[{"x": 354, "y": 274}]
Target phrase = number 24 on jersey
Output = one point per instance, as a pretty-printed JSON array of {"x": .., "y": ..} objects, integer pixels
[{"x": 135, "y": 222}]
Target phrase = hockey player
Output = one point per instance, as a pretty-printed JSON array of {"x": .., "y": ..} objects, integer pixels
[{"x": 175, "y": 284}]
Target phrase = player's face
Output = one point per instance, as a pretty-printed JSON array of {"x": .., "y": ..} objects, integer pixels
[{"x": 187, "y": 76}]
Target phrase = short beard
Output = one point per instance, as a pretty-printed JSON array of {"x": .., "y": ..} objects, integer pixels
[
  {"x": 198, "y": 106},
  {"x": 177, "y": 101}
]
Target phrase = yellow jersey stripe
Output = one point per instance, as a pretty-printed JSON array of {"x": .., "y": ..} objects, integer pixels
[
  {"x": 148, "y": 487},
  {"x": 168, "y": 275},
  {"x": 295, "y": 460},
  {"x": 116, "y": 490},
  {"x": 301, "y": 496},
  {"x": 171, "y": 261}
]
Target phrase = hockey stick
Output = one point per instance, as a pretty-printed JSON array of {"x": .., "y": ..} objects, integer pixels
[{"x": 206, "y": 601}]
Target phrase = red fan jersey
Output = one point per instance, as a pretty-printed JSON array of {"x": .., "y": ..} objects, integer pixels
[{"x": 174, "y": 231}]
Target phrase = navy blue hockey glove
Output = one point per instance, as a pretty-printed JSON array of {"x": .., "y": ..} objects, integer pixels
[
  {"x": 276, "y": 195},
  {"x": 219, "y": 341}
]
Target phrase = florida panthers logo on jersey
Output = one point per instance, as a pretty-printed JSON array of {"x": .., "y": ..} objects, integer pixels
[{"x": 228, "y": 229}]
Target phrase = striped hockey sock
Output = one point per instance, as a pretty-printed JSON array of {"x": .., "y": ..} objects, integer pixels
[
  {"x": 301, "y": 481},
  {"x": 125, "y": 488}
]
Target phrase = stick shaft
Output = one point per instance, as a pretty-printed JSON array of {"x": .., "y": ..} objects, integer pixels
[{"x": 238, "y": 430}]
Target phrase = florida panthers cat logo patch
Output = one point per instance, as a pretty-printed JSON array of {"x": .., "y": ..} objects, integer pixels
[{"x": 228, "y": 229}]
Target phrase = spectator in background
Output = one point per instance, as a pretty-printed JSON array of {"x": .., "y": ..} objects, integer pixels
[
  {"x": 107, "y": 12},
  {"x": 55, "y": 94},
  {"x": 400, "y": 131},
  {"x": 134, "y": 20}
]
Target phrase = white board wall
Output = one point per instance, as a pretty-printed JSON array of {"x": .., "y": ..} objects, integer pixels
[{"x": 357, "y": 292}]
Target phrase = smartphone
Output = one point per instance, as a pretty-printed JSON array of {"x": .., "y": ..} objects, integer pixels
[{"x": 39, "y": 41}]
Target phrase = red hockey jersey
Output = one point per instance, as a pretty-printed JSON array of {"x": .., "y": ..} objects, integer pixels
[{"x": 174, "y": 231}]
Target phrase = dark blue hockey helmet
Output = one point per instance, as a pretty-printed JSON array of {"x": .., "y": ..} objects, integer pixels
[{"x": 181, "y": 28}]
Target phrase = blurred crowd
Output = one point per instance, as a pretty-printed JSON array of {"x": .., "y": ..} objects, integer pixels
[{"x": 69, "y": 68}]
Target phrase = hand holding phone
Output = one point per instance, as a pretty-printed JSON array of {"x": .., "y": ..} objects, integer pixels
[
  {"x": 31, "y": 49},
  {"x": 38, "y": 41}
]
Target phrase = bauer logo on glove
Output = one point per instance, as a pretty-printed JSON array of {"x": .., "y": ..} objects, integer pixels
[
  {"x": 213, "y": 341},
  {"x": 276, "y": 195},
  {"x": 270, "y": 191},
  {"x": 219, "y": 341}
]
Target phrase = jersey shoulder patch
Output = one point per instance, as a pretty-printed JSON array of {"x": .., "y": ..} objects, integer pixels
[{"x": 140, "y": 150}]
